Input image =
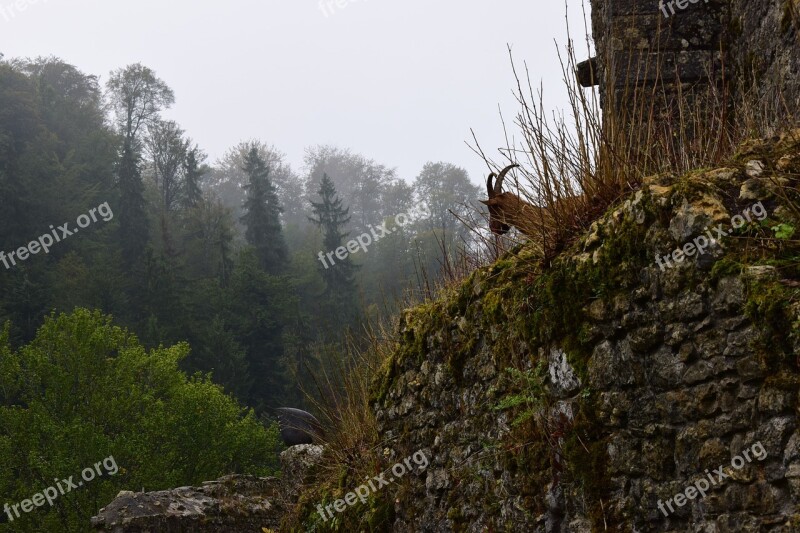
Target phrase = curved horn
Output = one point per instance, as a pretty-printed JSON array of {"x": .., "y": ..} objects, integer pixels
[
  {"x": 498, "y": 185},
  {"x": 489, "y": 187}
]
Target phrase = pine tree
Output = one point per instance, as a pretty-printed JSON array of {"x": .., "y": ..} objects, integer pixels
[
  {"x": 262, "y": 216},
  {"x": 340, "y": 286}
]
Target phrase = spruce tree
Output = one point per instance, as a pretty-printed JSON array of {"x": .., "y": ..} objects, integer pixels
[
  {"x": 340, "y": 286},
  {"x": 262, "y": 216}
]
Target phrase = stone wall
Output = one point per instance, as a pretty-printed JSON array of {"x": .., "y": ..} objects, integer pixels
[
  {"x": 765, "y": 48},
  {"x": 737, "y": 47},
  {"x": 635, "y": 380}
]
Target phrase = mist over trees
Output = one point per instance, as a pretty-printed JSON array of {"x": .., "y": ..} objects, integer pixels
[
  {"x": 223, "y": 255},
  {"x": 209, "y": 269}
]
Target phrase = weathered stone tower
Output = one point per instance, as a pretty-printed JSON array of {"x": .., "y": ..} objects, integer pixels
[{"x": 685, "y": 49}]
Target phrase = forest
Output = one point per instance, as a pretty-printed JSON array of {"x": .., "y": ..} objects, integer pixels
[{"x": 157, "y": 305}]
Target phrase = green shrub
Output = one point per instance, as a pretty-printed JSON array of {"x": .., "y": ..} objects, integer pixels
[{"x": 84, "y": 390}]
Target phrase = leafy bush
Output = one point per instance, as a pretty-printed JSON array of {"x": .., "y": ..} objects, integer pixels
[{"x": 84, "y": 390}]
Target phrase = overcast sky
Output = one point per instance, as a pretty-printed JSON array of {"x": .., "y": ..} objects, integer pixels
[{"x": 401, "y": 82}]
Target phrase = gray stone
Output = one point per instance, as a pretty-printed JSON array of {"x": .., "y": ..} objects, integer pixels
[
  {"x": 563, "y": 379},
  {"x": 774, "y": 433},
  {"x": 754, "y": 168},
  {"x": 228, "y": 505},
  {"x": 761, "y": 272},
  {"x": 730, "y": 294}
]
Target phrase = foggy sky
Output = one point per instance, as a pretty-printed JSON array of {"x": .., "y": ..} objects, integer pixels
[{"x": 398, "y": 81}]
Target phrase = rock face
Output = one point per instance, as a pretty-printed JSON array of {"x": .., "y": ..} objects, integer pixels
[
  {"x": 231, "y": 504},
  {"x": 628, "y": 380}
]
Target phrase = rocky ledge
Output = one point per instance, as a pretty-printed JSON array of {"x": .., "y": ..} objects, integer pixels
[{"x": 230, "y": 504}]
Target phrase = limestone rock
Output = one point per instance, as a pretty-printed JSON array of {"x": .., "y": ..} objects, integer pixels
[{"x": 230, "y": 504}]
